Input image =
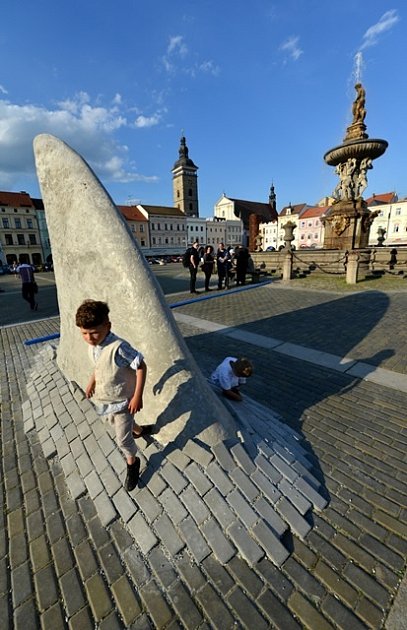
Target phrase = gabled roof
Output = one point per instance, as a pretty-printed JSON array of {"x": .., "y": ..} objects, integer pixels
[
  {"x": 314, "y": 211},
  {"x": 132, "y": 213},
  {"x": 296, "y": 209},
  {"x": 21, "y": 199},
  {"x": 165, "y": 211},
  {"x": 376, "y": 200},
  {"x": 244, "y": 208}
]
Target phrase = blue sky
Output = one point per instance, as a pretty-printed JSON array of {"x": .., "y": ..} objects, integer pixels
[{"x": 260, "y": 89}]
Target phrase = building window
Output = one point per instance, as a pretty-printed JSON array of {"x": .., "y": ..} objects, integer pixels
[
  {"x": 20, "y": 239},
  {"x": 190, "y": 206},
  {"x": 398, "y": 212},
  {"x": 153, "y": 240},
  {"x": 141, "y": 227},
  {"x": 190, "y": 192},
  {"x": 5, "y": 222},
  {"x": 17, "y": 223},
  {"x": 178, "y": 195},
  {"x": 158, "y": 227},
  {"x": 165, "y": 226},
  {"x": 9, "y": 239},
  {"x": 396, "y": 228},
  {"x": 30, "y": 224},
  {"x": 143, "y": 243},
  {"x": 33, "y": 240}
]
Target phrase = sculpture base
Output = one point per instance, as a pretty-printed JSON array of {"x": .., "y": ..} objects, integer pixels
[{"x": 347, "y": 225}]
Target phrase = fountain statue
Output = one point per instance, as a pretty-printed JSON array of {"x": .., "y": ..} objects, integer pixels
[{"x": 348, "y": 220}]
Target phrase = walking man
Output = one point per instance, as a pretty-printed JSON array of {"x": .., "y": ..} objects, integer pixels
[{"x": 28, "y": 285}]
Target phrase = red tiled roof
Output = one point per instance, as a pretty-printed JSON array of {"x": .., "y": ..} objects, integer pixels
[
  {"x": 389, "y": 197},
  {"x": 132, "y": 213},
  {"x": 314, "y": 211},
  {"x": 21, "y": 199},
  {"x": 296, "y": 209}
]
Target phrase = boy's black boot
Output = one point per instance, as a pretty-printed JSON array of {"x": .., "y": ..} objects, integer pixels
[{"x": 133, "y": 473}]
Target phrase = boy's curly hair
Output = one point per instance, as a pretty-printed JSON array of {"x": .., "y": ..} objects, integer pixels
[
  {"x": 243, "y": 367},
  {"x": 92, "y": 313}
]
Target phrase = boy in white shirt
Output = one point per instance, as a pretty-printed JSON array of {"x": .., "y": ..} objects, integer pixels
[{"x": 230, "y": 374}]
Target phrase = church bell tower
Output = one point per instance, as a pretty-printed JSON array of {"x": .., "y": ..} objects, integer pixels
[{"x": 185, "y": 182}]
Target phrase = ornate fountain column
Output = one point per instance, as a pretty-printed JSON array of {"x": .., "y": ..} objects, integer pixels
[{"x": 347, "y": 222}]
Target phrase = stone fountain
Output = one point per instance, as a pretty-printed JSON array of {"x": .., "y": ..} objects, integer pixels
[{"x": 347, "y": 222}]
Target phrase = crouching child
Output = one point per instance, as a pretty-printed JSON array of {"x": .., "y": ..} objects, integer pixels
[
  {"x": 117, "y": 382},
  {"x": 230, "y": 374}
]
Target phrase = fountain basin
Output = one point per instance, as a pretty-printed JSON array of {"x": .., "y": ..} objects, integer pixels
[{"x": 370, "y": 148}]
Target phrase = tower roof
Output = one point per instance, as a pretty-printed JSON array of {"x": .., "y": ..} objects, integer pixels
[{"x": 184, "y": 159}]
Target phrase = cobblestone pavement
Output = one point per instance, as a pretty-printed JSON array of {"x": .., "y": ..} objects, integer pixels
[{"x": 76, "y": 551}]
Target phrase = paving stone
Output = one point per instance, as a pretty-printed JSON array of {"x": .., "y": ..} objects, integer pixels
[
  {"x": 275, "y": 579},
  {"x": 156, "y": 605},
  {"x": 273, "y": 520},
  {"x": 35, "y": 525},
  {"x": 21, "y": 586},
  {"x": 71, "y": 588},
  {"x": 179, "y": 459},
  {"x": 242, "y": 458},
  {"x": 341, "y": 616},
  {"x": 217, "y": 575},
  {"x": 200, "y": 455},
  {"x": 25, "y": 616},
  {"x": 105, "y": 509},
  {"x": 184, "y": 606},
  {"x": 62, "y": 556},
  {"x": 52, "y": 618},
  {"x": 98, "y": 533},
  {"x": 224, "y": 457},
  {"x": 142, "y": 533},
  {"x": 215, "y": 610},
  {"x": 366, "y": 584},
  {"x": 270, "y": 543},
  {"x": 150, "y": 507},
  {"x": 110, "y": 481},
  {"x": 76, "y": 530},
  {"x": 246, "y": 612},
  {"x": 45, "y": 586},
  {"x": 219, "y": 508},
  {"x": 85, "y": 559},
  {"x": 98, "y": 597},
  {"x": 75, "y": 485},
  {"x": 168, "y": 535},
  {"x": 308, "y": 615},
  {"x": 121, "y": 537},
  {"x": 246, "y": 546},
  {"x": 242, "y": 508},
  {"x": 136, "y": 566},
  {"x": 297, "y": 523},
  {"x": 268, "y": 469},
  {"x": 162, "y": 567},
  {"x": 195, "y": 475},
  {"x": 173, "y": 477},
  {"x": 244, "y": 484},
  {"x": 190, "y": 572},
  {"x": 125, "y": 599},
  {"x": 110, "y": 562},
  {"x": 219, "y": 479},
  {"x": 124, "y": 504},
  {"x": 220, "y": 545},
  {"x": 39, "y": 553},
  {"x": 370, "y": 614},
  {"x": 195, "y": 506},
  {"x": 194, "y": 539},
  {"x": 318, "y": 501}
]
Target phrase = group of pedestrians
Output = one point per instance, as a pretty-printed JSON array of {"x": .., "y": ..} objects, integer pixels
[{"x": 230, "y": 264}]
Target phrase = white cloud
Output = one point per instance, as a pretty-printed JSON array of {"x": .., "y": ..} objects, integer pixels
[
  {"x": 386, "y": 22},
  {"x": 147, "y": 121},
  {"x": 3, "y": 90},
  {"x": 292, "y": 48},
  {"x": 88, "y": 129},
  {"x": 178, "y": 59},
  {"x": 177, "y": 46}
]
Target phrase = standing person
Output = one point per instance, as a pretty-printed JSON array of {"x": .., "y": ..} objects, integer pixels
[
  {"x": 28, "y": 285},
  {"x": 208, "y": 264},
  {"x": 117, "y": 382},
  {"x": 193, "y": 267},
  {"x": 242, "y": 259},
  {"x": 222, "y": 262}
]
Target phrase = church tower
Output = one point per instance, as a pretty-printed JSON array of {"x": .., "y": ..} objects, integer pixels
[
  {"x": 185, "y": 182},
  {"x": 272, "y": 198}
]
